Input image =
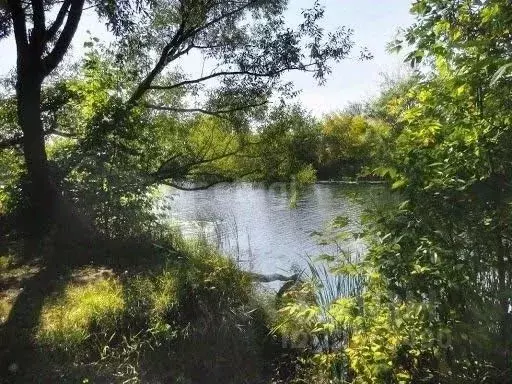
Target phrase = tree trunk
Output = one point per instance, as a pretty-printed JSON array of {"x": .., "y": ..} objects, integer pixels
[{"x": 41, "y": 191}]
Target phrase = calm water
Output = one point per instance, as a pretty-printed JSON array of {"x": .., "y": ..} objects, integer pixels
[{"x": 257, "y": 226}]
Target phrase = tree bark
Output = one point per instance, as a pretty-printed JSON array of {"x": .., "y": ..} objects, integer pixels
[{"x": 42, "y": 193}]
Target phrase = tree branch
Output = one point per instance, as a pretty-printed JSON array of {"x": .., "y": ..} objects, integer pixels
[
  {"x": 195, "y": 188},
  {"x": 224, "y": 16},
  {"x": 185, "y": 168},
  {"x": 230, "y": 73},
  {"x": 53, "y": 59},
  {"x": 20, "y": 28},
  {"x": 57, "y": 23},
  {"x": 38, "y": 18},
  {"x": 172, "y": 47},
  {"x": 205, "y": 111}
]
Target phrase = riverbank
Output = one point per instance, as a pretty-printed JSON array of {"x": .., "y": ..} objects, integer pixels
[
  {"x": 171, "y": 311},
  {"x": 352, "y": 182}
]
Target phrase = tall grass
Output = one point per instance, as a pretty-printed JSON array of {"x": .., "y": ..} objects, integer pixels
[
  {"x": 306, "y": 323},
  {"x": 67, "y": 319},
  {"x": 332, "y": 286}
]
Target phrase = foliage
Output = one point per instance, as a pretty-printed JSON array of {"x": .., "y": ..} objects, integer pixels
[
  {"x": 349, "y": 143},
  {"x": 286, "y": 146},
  {"x": 436, "y": 301},
  {"x": 308, "y": 317},
  {"x": 445, "y": 247},
  {"x": 293, "y": 145},
  {"x": 248, "y": 46},
  {"x": 390, "y": 339},
  {"x": 11, "y": 171}
]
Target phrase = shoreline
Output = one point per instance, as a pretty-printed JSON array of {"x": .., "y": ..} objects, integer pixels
[{"x": 377, "y": 182}]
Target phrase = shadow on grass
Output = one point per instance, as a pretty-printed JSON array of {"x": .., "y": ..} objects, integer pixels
[
  {"x": 17, "y": 349},
  {"x": 213, "y": 342}
]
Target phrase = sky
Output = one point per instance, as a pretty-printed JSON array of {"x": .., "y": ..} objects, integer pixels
[{"x": 375, "y": 23}]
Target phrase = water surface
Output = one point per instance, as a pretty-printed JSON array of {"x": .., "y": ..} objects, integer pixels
[{"x": 256, "y": 224}]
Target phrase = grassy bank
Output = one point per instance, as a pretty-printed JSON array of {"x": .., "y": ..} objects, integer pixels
[{"x": 176, "y": 312}]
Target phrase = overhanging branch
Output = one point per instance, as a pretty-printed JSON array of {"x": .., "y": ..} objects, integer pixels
[
  {"x": 231, "y": 73},
  {"x": 218, "y": 112},
  {"x": 195, "y": 186},
  {"x": 192, "y": 188},
  {"x": 171, "y": 51}
]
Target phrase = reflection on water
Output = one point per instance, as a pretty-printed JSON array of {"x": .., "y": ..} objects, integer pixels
[{"x": 256, "y": 224}]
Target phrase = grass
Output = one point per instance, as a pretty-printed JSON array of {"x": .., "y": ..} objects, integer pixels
[
  {"x": 66, "y": 320},
  {"x": 5, "y": 308},
  {"x": 6, "y": 262},
  {"x": 12, "y": 275},
  {"x": 192, "y": 316}
]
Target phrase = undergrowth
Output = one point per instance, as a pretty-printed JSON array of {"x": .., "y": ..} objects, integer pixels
[{"x": 194, "y": 317}]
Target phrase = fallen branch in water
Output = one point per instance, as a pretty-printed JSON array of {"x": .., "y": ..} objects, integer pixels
[{"x": 272, "y": 277}]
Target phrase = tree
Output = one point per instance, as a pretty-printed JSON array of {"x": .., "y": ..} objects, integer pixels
[
  {"x": 286, "y": 145},
  {"x": 350, "y": 142},
  {"x": 248, "y": 40},
  {"x": 448, "y": 244}
]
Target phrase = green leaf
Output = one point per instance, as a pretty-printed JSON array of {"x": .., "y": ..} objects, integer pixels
[
  {"x": 398, "y": 184},
  {"x": 500, "y": 73}
]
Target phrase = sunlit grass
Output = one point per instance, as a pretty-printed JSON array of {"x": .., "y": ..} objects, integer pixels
[
  {"x": 189, "y": 314},
  {"x": 6, "y": 262},
  {"x": 66, "y": 320},
  {"x": 5, "y": 308}
]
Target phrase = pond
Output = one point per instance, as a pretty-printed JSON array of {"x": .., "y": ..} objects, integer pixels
[{"x": 257, "y": 226}]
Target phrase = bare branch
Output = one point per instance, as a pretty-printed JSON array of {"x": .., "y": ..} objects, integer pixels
[
  {"x": 194, "y": 188},
  {"x": 230, "y": 73}
]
